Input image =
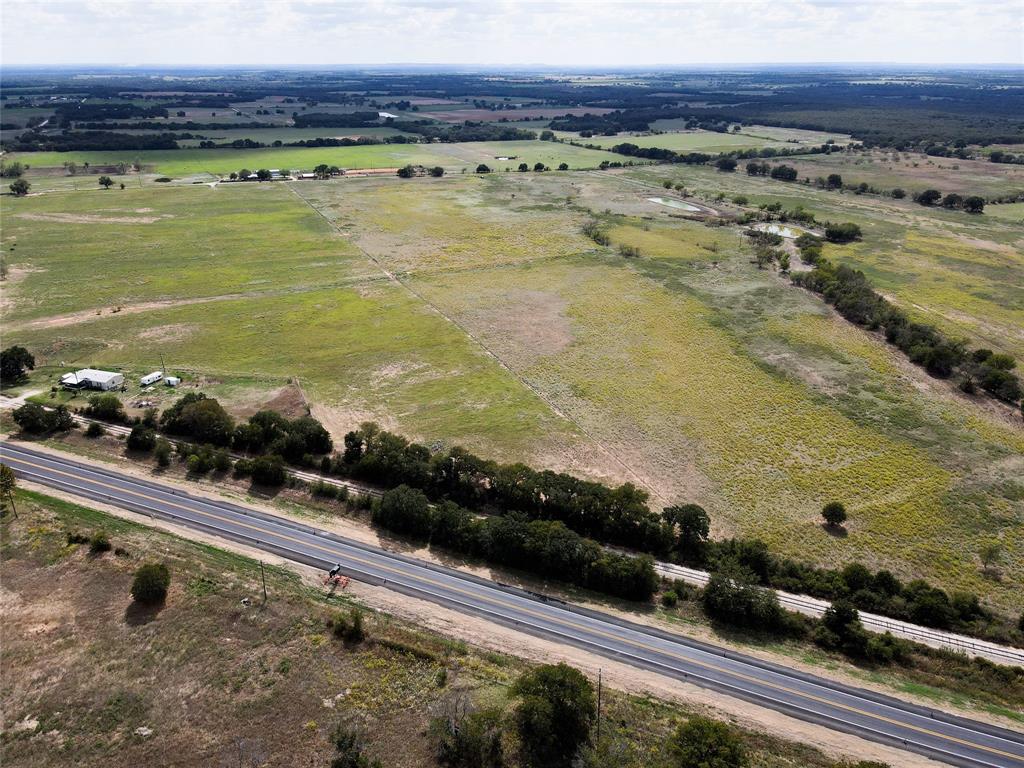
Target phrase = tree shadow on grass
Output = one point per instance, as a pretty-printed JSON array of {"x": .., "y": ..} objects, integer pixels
[
  {"x": 138, "y": 614},
  {"x": 835, "y": 531}
]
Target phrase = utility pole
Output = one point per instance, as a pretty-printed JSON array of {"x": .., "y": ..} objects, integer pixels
[
  {"x": 263, "y": 576},
  {"x": 599, "y": 705}
]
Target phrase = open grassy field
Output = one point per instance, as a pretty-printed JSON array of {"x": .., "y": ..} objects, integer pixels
[
  {"x": 915, "y": 172},
  {"x": 754, "y": 137},
  {"x": 687, "y": 370},
  {"x": 454, "y": 157},
  {"x": 949, "y": 268}
]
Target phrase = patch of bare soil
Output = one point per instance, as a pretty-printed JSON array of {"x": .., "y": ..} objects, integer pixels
[
  {"x": 92, "y": 218},
  {"x": 289, "y": 402},
  {"x": 165, "y": 333},
  {"x": 84, "y": 316},
  {"x": 535, "y": 319},
  {"x": 340, "y": 419}
]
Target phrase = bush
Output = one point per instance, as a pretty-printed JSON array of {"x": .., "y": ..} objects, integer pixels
[
  {"x": 834, "y": 513},
  {"x": 842, "y": 233},
  {"x": 464, "y": 739},
  {"x": 162, "y": 453},
  {"x": 106, "y": 407},
  {"x": 37, "y": 420},
  {"x": 268, "y": 470},
  {"x": 99, "y": 543},
  {"x": 704, "y": 743},
  {"x": 669, "y": 599},
  {"x": 732, "y": 596},
  {"x": 348, "y": 749},
  {"x": 350, "y": 628},
  {"x": 555, "y": 712},
  {"x": 406, "y": 511},
  {"x": 95, "y": 429},
  {"x": 141, "y": 439},
  {"x": 150, "y": 584}
]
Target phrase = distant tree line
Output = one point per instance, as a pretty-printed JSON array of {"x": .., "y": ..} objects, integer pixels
[
  {"x": 68, "y": 113},
  {"x": 35, "y": 141}
]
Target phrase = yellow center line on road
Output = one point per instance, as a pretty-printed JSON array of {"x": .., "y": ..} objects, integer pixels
[{"x": 531, "y": 612}]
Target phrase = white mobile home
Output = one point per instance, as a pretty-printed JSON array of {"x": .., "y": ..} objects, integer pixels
[
  {"x": 151, "y": 378},
  {"x": 90, "y": 378}
]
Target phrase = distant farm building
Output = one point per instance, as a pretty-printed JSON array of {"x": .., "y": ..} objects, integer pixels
[
  {"x": 90, "y": 378},
  {"x": 172, "y": 381}
]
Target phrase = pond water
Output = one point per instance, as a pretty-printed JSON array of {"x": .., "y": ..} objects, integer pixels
[
  {"x": 790, "y": 233},
  {"x": 673, "y": 203}
]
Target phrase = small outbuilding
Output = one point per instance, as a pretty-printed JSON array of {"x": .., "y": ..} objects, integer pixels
[
  {"x": 91, "y": 378},
  {"x": 172, "y": 381}
]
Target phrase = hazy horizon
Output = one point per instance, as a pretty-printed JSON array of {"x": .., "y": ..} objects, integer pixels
[{"x": 603, "y": 36}]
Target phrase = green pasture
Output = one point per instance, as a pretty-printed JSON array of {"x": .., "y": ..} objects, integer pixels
[
  {"x": 686, "y": 370},
  {"x": 454, "y": 157},
  {"x": 954, "y": 270}
]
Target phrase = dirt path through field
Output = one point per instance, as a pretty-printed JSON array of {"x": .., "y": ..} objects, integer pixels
[{"x": 613, "y": 457}]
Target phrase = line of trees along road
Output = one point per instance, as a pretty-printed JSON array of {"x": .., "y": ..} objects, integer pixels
[{"x": 546, "y": 522}]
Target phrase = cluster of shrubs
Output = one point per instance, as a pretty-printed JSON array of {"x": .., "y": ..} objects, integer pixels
[
  {"x": 780, "y": 172},
  {"x": 544, "y": 547},
  {"x": 952, "y": 201},
  {"x": 204, "y": 420},
  {"x": 850, "y": 292},
  {"x": 34, "y": 419}
]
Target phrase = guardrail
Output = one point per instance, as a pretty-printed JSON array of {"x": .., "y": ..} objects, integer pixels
[{"x": 812, "y": 606}]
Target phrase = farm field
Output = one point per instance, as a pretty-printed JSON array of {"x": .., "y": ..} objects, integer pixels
[
  {"x": 754, "y": 137},
  {"x": 688, "y": 370},
  {"x": 184, "y": 162},
  {"x": 957, "y": 271},
  {"x": 915, "y": 173},
  {"x": 251, "y": 310}
]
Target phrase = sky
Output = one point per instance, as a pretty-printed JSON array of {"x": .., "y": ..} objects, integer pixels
[{"x": 584, "y": 34}]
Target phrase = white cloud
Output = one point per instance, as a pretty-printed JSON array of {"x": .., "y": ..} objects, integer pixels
[{"x": 599, "y": 33}]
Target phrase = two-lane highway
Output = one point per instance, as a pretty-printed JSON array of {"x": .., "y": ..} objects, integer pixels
[{"x": 881, "y": 718}]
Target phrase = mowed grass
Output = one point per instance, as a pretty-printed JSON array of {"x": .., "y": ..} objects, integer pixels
[
  {"x": 441, "y": 225},
  {"x": 185, "y": 162},
  {"x": 688, "y": 141}
]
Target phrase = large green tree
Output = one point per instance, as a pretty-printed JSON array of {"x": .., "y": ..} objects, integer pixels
[
  {"x": 554, "y": 715},
  {"x": 14, "y": 362}
]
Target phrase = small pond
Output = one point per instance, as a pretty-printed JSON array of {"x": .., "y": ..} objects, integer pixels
[{"x": 673, "y": 203}]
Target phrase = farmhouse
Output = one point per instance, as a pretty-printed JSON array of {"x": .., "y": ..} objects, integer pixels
[{"x": 90, "y": 378}]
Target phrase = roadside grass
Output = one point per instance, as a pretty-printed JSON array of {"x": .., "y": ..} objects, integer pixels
[{"x": 93, "y": 679}]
